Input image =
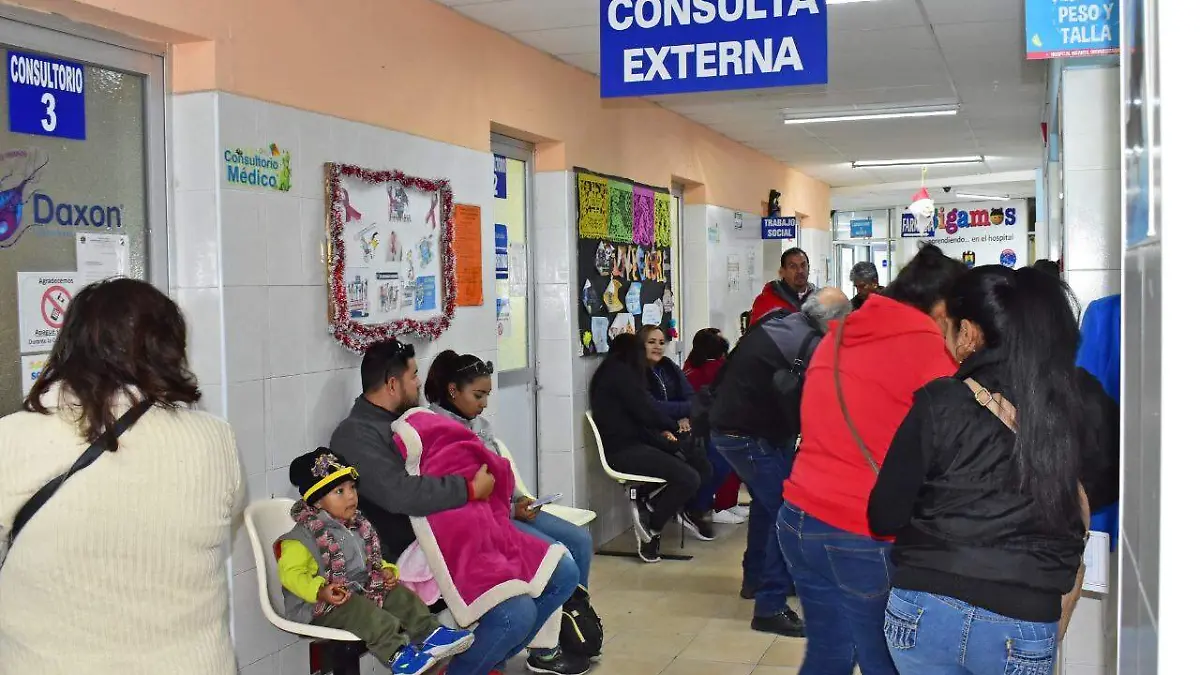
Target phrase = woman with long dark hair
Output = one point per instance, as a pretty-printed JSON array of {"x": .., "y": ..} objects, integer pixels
[
  {"x": 703, "y": 363},
  {"x": 639, "y": 438},
  {"x": 981, "y": 486},
  {"x": 857, "y": 390},
  {"x": 459, "y": 386},
  {"x": 121, "y": 570}
]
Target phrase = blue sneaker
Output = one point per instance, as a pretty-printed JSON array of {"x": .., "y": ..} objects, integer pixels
[
  {"x": 446, "y": 642},
  {"x": 409, "y": 661}
]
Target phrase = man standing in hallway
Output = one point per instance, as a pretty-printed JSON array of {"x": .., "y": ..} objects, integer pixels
[
  {"x": 755, "y": 418},
  {"x": 865, "y": 277},
  {"x": 789, "y": 291}
]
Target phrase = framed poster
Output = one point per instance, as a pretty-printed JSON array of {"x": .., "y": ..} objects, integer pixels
[{"x": 391, "y": 271}]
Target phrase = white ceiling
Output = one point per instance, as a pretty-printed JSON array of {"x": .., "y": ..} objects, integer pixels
[{"x": 882, "y": 53}]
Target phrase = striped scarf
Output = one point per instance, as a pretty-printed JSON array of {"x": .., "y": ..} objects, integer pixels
[{"x": 333, "y": 558}]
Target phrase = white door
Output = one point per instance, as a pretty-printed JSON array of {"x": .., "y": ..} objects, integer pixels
[
  {"x": 82, "y": 168},
  {"x": 515, "y": 394}
]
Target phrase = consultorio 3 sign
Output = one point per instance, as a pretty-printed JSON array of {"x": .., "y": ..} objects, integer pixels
[{"x": 653, "y": 47}]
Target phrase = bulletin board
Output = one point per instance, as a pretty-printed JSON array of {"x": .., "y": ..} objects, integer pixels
[
  {"x": 391, "y": 270},
  {"x": 624, "y": 259}
]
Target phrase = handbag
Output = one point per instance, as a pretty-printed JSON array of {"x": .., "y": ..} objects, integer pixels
[{"x": 93, "y": 452}]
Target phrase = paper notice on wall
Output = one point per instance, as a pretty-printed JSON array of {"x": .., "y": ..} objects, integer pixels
[
  {"x": 1095, "y": 563},
  {"x": 733, "y": 268},
  {"x": 101, "y": 256},
  {"x": 503, "y": 317},
  {"x": 518, "y": 271},
  {"x": 42, "y": 300},
  {"x": 652, "y": 314},
  {"x": 31, "y": 368}
]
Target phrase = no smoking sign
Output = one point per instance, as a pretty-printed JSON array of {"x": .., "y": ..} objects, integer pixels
[{"x": 43, "y": 300}]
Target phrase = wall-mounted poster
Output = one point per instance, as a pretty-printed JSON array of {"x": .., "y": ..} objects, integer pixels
[
  {"x": 980, "y": 233},
  {"x": 391, "y": 271},
  {"x": 624, "y": 259}
]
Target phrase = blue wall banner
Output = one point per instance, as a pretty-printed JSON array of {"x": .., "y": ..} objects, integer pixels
[
  {"x": 501, "y": 251},
  {"x": 778, "y": 228},
  {"x": 1069, "y": 28},
  {"x": 46, "y": 96},
  {"x": 862, "y": 227},
  {"x": 500, "y": 177},
  {"x": 652, "y": 47}
]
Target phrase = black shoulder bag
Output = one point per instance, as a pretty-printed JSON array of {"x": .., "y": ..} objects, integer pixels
[{"x": 39, "y": 498}]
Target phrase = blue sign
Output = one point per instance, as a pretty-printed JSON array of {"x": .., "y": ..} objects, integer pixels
[
  {"x": 46, "y": 97},
  {"x": 862, "y": 227},
  {"x": 501, "y": 251},
  {"x": 652, "y": 47},
  {"x": 425, "y": 294},
  {"x": 778, "y": 228},
  {"x": 1068, "y": 28},
  {"x": 500, "y": 176}
]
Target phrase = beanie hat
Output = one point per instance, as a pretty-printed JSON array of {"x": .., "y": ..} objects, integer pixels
[{"x": 317, "y": 473}]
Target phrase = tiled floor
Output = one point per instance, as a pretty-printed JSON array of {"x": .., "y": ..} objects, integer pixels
[{"x": 684, "y": 618}]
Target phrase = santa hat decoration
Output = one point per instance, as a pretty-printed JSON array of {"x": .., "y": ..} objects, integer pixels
[{"x": 922, "y": 208}]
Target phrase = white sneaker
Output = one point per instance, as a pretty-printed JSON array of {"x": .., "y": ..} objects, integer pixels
[
  {"x": 728, "y": 518},
  {"x": 741, "y": 511}
]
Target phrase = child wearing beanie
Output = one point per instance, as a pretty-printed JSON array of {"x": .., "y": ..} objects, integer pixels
[{"x": 334, "y": 575}]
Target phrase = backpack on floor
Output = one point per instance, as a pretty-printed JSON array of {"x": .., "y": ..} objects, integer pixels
[{"x": 582, "y": 632}]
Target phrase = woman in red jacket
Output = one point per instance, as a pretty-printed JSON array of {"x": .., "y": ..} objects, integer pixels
[{"x": 892, "y": 346}]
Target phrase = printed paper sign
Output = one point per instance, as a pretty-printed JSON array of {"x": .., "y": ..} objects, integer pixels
[
  {"x": 101, "y": 256},
  {"x": 269, "y": 167},
  {"x": 43, "y": 298},
  {"x": 500, "y": 177},
  {"x": 31, "y": 369},
  {"x": 46, "y": 96},
  {"x": 779, "y": 228}
]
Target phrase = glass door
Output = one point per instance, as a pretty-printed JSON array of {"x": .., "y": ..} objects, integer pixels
[
  {"x": 515, "y": 394},
  {"x": 82, "y": 182},
  {"x": 848, "y": 254}
]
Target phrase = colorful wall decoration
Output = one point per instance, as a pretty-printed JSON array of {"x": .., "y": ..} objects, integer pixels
[
  {"x": 391, "y": 269},
  {"x": 624, "y": 259}
]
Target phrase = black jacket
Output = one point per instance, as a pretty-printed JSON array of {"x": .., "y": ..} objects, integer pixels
[
  {"x": 624, "y": 411},
  {"x": 961, "y": 529},
  {"x": 669, "y": 388},
  {"x": 746, "y": 401}
]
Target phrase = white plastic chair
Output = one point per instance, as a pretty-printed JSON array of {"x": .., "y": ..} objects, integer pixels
[
  {"x": 266, "y": 521},
  {"x": 579, "y": 517},
  {"x": 633, "y": 482}
]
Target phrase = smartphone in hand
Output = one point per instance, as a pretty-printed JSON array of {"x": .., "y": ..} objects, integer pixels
[{"x": 542, "y": 501}]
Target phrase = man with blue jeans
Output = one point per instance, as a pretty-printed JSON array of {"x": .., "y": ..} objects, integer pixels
[{"x": 755, "y": 420}]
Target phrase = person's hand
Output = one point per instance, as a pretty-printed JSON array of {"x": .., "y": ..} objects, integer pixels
[
  {"x": 334, "y": 594},
  {"x": 389, "y": 579},
  {"x": 523, "y": 511},
  {"x": 670, "y": 436},
  {"x": 685, "y": 426},
  {"x": 483, "y": 483}
]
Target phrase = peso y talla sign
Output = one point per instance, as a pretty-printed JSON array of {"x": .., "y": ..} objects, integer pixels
[{"x": 653, "y": 47}]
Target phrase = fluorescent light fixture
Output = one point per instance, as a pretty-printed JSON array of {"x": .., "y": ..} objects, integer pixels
[
  {"x": 882, "y": 114},
  {"x": 927, "y": 161},
  {"x": 986, "y": 198}
]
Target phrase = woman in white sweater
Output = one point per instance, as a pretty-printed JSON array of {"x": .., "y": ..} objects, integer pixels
[{"x": 121, "y": 572}]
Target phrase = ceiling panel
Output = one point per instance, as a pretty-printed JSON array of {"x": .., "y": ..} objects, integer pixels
[{"x": 883, "y": 53}]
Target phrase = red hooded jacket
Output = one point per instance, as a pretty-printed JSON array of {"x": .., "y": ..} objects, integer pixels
[
  {"x": 773, "y": 298},
  {"x": 889, "y": 350}
]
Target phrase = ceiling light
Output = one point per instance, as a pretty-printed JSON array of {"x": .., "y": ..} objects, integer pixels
[
  {"x": 986, "y": 198},
  {"x": 928, "y": 161},
  {"x": 882, "y": 114}
]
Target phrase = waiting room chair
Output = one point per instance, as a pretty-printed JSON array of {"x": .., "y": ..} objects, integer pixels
[
  {"x": 266, "y": 521},
  {"x": 633, "y": 484},
  {"x": 579, "y": 517}
]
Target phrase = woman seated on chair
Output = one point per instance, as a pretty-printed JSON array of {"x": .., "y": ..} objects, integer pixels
[
  {"x": 639, "y": 438},
  {"x": 458, "y": 386}
]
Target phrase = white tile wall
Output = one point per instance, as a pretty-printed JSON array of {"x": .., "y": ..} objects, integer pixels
[
  {"x": 1091, "y": 218},
  {"x": 250, "y": 276}
]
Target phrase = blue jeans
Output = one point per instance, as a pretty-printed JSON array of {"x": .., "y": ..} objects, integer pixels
[
  {"x": 578, "y": 540},
  {"x": 762, "y": 467},
  {"x": 842, "y": 580},
  {"x": 509, "y": 627},
  {"x": 937, "y": 635},
  {"x": 706, "y": 496}
]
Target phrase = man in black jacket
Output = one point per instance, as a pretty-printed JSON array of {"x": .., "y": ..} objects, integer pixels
[{"x": 755, "y": 420}]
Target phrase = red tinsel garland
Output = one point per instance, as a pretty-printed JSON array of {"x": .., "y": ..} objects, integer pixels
[{"x": 350, "y": 333}]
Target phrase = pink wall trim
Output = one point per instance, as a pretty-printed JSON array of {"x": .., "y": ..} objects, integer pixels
[{"x": 419, "y": 67}]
